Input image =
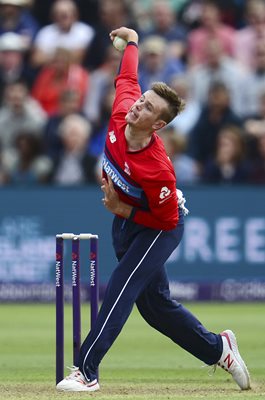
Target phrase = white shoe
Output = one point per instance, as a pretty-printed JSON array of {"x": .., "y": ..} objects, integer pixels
[
  {"x": 232, "y": 362},
  {"x": 76, "y": 382}
]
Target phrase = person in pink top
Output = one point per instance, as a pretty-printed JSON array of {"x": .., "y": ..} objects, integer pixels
[
  {"x": 248, "y": 37},
  {"x": 211, "y": 28}
]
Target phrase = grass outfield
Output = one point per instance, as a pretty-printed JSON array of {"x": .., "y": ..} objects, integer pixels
[{"x": 142, "y": 364}]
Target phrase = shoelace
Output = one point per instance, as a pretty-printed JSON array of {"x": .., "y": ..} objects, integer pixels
[
  {"x": 75, "y": 373},
  {"x": 211, "y": 369},
  {"x": 73, "y": 370}
]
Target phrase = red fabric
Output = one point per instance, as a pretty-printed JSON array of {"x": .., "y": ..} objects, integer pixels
[
  {"x": 47, "y": 88},
  {"x": 149, "y": 169}
]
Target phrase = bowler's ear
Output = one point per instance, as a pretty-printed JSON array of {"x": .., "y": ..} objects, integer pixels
[{"x": 159, "y": 125}]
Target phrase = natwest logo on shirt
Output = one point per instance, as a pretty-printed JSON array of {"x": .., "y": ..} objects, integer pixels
[
  {"x": 112, "y": 137},
  {"x": 165, "y": 192}
]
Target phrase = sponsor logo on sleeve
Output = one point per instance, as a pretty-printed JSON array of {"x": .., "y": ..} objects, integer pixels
[{"x": 165, "y": 192}]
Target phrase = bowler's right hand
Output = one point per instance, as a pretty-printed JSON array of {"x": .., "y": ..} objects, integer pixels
[{"x": 125, "y": 33}]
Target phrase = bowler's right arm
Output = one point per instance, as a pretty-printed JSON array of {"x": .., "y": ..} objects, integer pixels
[{"x": 126, "y": 82}]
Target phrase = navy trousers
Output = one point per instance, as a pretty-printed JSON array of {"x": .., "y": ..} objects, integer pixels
[{"x": 140, "y": 277}]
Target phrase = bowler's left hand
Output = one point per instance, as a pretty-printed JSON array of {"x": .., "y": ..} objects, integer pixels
[{"x": 111, "y": 200}]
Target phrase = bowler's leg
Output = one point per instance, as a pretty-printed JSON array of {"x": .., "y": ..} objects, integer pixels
[
  {"x": 147, "y": 253},
  {"x": 175, "y": 321}
]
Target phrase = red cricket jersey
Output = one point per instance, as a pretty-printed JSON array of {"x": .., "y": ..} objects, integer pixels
[{"x": 144, "y": 179}]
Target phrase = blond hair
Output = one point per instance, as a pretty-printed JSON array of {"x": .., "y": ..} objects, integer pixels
[
  {"x": 77, "y": 123},
  {"x": 175, "y": 103}
]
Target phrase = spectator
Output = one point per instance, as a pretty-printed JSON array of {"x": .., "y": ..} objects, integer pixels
[
  {"x": 12, "y": 65},
  {"x": 69, "y": 103},
  {"x": 218, "y": 67},
  {"x": 27, "y": 164},
  {"x": 212, "y": 28},
  {"x": 75, "y": 166},
  {"x": 110, "y": 15},
  {"x": 155, "y": 64},
  {"x": 255, "y": 124},
  {"x": 214, "y": 116},
  {"x": 100, "y": 80},
  {"x": 65, "y": 32},
  {"x": 3, "y": 172},
  {"x": 88, "y": 10},
  {"x": 228, "y": 164},
  {"x": 231, "y": 12},
  {"x": 185, "y": 121},
  {"x": 15, "y": 18},
  {"x": 19, "y": 112},
  {"x": 255, "y": 128},
  {"x": 166, "y": 26},
  {"x": 253, "y": 33},
  {"x": 191, "y": 14},
  {"x": 256, "y": 82},
  {"x": 257, "y": 168},
  {"x": 142, "y": 11},
  {"x": 97, "y": 142},
  {"x": 175, "y": 145},
  {"x": 59, "y": 75}
]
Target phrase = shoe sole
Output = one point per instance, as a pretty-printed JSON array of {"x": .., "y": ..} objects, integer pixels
[
  {"x": 93, "y": 388},
  {"x": 234, "y": 347}
]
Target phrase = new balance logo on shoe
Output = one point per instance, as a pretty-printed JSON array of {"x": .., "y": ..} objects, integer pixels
[{"x": 228, "y": 360}]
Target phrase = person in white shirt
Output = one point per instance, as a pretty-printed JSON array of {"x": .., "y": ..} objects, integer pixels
[
  {"x": 19, "y": 112},
  {"x": 217, "y": 67},
  {"x": 65, "y": 32},
  {"x": 189, "y": 116}
]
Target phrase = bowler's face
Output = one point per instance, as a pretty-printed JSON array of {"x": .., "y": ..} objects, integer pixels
[{"x": 146, "y": 111}]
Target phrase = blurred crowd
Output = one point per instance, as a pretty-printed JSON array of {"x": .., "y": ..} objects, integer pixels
[{"x": 57, "y": 67}]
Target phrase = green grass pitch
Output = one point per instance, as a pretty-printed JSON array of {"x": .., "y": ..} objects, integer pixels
[{"x": 142, "y": 364}]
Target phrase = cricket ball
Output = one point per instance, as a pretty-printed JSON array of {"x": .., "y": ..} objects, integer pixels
[{"x": 119, "y": 43}]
